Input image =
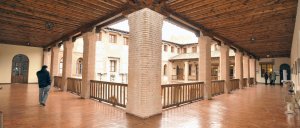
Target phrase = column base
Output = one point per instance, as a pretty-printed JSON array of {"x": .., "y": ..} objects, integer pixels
[{"x": 143, "y": 117}]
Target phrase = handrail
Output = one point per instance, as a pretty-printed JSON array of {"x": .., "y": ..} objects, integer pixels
[
  {"x": 234, "y": 84},
  {"x": 58, "y": 82},
  {"x": 114, "y": 93},
  {"x": 74, "y": 85},
  {"x": 177, "y": 94},
  {"x": 217, "y": 87}
]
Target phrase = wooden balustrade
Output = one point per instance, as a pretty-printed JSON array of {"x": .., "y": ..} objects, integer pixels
[
  {"x": 58, "y": 82},
  {"x": 74, "y": 85},
  {"x": 244, "y": 82},
  {"x": 251, "y": 82},
  {"x": 234, "y": 84},
  {"x": 217, "y": 87},
  {"x": 177, "y": 94},
  {"x": 114, "y": 93}
]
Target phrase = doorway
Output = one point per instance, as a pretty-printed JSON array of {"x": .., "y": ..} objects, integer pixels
[
  {"x": 179, "y": 73},
  {"x": 285, "y": 72},
  {"x": 19, "y": 71}
]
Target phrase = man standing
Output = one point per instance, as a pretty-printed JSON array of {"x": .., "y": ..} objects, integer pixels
[
  {"x": 273, "y": 78},
  {"x": 266, "y": 78},
  {"x": 44, "y": 84}
]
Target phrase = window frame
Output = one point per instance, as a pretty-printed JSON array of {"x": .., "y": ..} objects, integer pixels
[
  {"x": 265, "y": 67},
  {"x": 112, "y": 37},
  {"x": 165, "y": 48},
  {"x": 113, "y": 68}
]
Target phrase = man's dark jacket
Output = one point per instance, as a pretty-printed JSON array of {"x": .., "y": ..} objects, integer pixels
[{"x": 44, "y": 78}]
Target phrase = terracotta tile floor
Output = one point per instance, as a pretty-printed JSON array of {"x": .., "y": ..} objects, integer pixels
[{"x": 256, "y": 107}]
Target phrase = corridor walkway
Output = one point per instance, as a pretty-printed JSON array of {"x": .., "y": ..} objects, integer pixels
[{"x": 257, "y": 107}]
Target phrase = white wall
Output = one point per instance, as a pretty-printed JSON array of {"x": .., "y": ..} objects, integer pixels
[
  {"x": 276, "y": 67},
  {"x": 7, "y": 52},
  {"x": 295, "y": 52}
]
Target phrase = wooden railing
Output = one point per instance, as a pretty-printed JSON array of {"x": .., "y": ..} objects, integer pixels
[
  {"x": 58, "y": 82},
  {"x": 114, "y": 93},
  {"x": 244, "y": 82},
  {"x": 234, "y": 84},
  {"x": 251, "y": 82},
  {"x": 177, "y": 94},
  {"x": 74, "y": 85},
  {"x": 217, "y": 87}
]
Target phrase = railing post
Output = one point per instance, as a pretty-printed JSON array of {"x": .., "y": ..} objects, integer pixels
[{"x": 1, "y": 119}]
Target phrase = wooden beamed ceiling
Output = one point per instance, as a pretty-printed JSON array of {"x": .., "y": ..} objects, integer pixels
[
  {"x": 257, "y": 27},
  {"x": 269, "y": 22}
]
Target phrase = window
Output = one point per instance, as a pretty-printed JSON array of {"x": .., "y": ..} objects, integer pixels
[
  {"x": 165, "y": 69},
  {"x": 79, "y": 66},
  {"x": 165, "y": 48},
  {"x": 194, "y": 49},
  {"x": 125, "y": 40},
  {"x": 268, "y": 67},
  {"x": 172, "y": 49},
  {"x": 190, "y": 69},
  {"x": 61, "y": 65},
  {"x": 112, "y": 38},
  {"x": 231, "y": 71},
  {"x": 178, "y": 50},
  {"x": 113, "y": 64},
  {"x": 184, "y": 50}
]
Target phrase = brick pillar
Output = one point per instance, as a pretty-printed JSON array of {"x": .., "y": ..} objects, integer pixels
[
  {"x": 144, "y": 69},
  {"x": 186, "y": 71},
  {"x": 255, "y": 71},
  {"x": 170, "y": 71},
  {"x": 67, "y": 63},
  {"x": 47, "y": 59},
  {"x": 88, "y": 64},
  {"x": 224, "y": 66},
  {"x": 246, "y": 69},
  {"x": 239, "y": 67},
  {"x": 54, "y": 63},
  {"x": 205, "y": 64},
  {"x": 251, "y": 66}
]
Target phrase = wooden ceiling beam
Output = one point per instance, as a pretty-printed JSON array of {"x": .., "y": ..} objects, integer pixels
[
  {"x": 87, "y": 26},
  {"x": 206, "y": 31}
]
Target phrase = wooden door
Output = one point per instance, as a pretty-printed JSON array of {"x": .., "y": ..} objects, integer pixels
[{"x": 19, "y": 72}]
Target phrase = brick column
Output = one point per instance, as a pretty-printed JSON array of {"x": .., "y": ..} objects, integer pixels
[
  {"x": 88, "y": 64},
  {"x": 54, "y": 63},
  {"x": 239, "y": 67},
  {"x": 246, "y": 69},
  {"x": 205, "y": 64},
  {"x": 255, "y": 71},
  {"x": 251, "y": 66},
  {"x": 47, "y": 59},
  {"x": 144, "y": 69},
  {"x": 224, "y": 66},
  {"x": 170, "y": 71},
  {"x": 67, "y": 63},
  {"x": 186, "y": 71}
]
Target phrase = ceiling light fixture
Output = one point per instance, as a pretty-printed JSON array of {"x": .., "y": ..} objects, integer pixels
[
  {"x": 49, "y": 25},
  {"x": 252, "y": 39}
]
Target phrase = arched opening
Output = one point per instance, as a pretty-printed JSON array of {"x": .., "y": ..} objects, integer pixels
[
  {"x": 61, "y": 65},
  {"x": 79, "y": 66},
  {"x": 285, "y": 72},
  {"x": 165, "y": 69},
  {"x": 19, "y": 72}
]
